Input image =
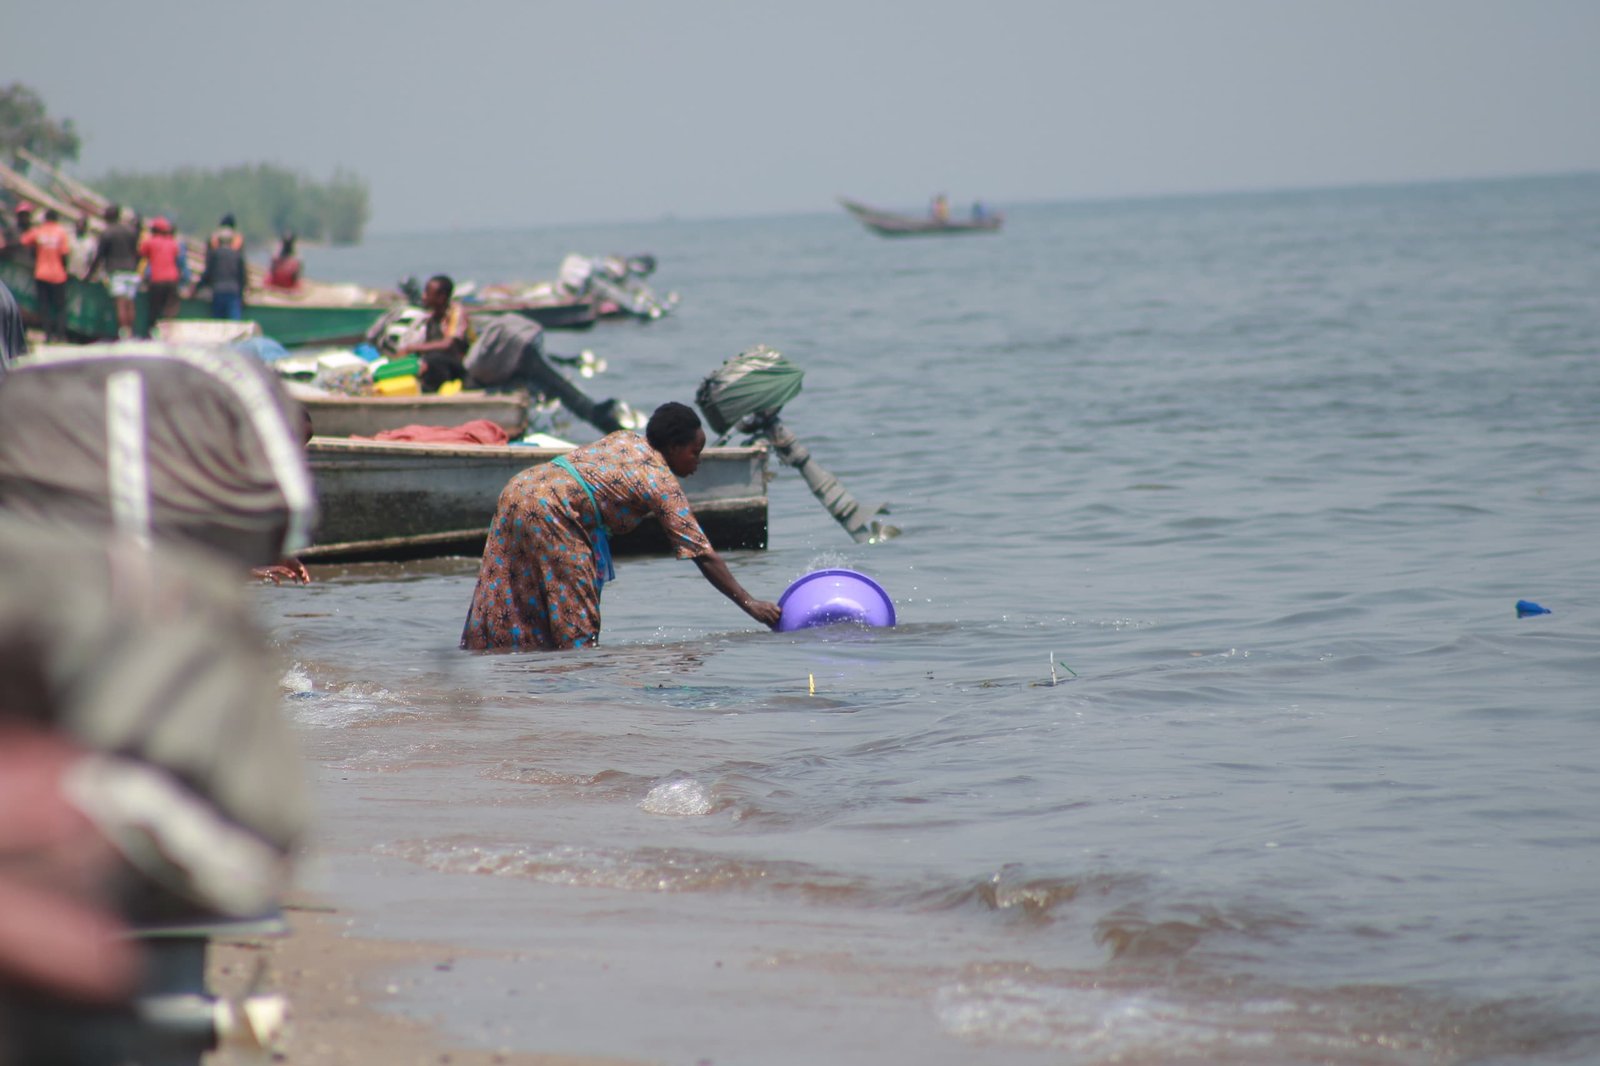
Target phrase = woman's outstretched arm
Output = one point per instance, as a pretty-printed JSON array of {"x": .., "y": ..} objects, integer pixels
[{"x": 716, "y": 571}]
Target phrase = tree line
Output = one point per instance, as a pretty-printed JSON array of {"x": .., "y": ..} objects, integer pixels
[{"x": 267, "y": 201}]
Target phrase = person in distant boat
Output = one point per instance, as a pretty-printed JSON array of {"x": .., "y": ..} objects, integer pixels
[
  {"x": 548, "y": 555},
  {"x": 118, "y": 255},
  {"x": 979, "y": 212},
  {"x": 441, "y": 343},
  {"x": 224, "y": 272},
  {"x": 284, "y": 273},
  {"x": 163, "y": 271},
  {"x": 940, "y": 211},
  {"x": 51, "y": 245}
]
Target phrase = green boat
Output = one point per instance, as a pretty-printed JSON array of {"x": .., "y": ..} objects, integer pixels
[
  {"x": 296, "y": 325},
  {"x": 92, "y": 314}
]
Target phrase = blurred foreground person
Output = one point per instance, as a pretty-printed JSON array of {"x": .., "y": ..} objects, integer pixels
[
  {"x": 13, "y": 337},
  {"x": 137, "y": 483}
]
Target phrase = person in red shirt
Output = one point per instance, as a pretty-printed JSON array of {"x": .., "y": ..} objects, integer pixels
[
  {"x": 285, "y": 270},
  {"x": 51, "y": 245},
  {"x": 160, "y": 251}
]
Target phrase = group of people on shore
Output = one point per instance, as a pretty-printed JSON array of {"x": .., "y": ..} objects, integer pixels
[{"x": 131, "y": 256}]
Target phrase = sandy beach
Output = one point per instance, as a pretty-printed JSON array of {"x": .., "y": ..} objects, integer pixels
[{"x": 336, "y": 985}]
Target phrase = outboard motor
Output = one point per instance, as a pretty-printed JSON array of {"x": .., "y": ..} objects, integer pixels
[
  {"x": 746, "y": 393},
  {"x": 617, "y": 280}
]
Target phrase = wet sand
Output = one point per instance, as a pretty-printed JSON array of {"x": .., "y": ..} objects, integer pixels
[{"x": 337, "y": 986}]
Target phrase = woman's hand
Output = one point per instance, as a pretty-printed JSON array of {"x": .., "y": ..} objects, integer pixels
[
  {"x": 290, "y": 570},
  {"x": 763, "y": 611}
]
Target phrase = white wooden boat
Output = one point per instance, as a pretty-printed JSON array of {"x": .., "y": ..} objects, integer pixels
[
  {"x": 382, "y": 500},
  {"x": 333, "y": 415}
]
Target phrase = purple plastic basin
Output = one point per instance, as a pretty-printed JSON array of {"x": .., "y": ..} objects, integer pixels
[{"x": 824, "y": 597}]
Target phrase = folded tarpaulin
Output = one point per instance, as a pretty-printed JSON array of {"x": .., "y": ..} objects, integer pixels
[{"x": 478, "y": 431}]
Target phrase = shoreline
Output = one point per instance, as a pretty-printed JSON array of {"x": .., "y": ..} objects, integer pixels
[{"x": 337, "y": 984}]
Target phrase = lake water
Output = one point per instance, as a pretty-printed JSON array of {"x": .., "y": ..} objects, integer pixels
[{"x": 1261, "y": 476}]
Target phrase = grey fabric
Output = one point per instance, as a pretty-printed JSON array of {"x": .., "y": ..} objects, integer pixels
[
  {"x": 136, "y": 481},
  {"x": 505, "y": 342},
  {"x": 509, "y": 353},
  {"x": 218, "y": 447},
  {"x": 151, "y": 653}
]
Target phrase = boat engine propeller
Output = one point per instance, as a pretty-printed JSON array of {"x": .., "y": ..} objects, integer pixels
[{"x": 746, "y": 393}]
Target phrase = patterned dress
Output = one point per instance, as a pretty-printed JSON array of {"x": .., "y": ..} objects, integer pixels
[{"x": 536, "y": 587}]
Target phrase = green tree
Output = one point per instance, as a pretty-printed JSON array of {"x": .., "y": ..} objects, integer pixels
[
  {"x": 265, "y": 200},
  {"x": 24, "y": 123}
]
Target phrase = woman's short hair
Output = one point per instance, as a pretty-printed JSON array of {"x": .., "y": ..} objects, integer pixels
[{"x": 672, "y": 424}]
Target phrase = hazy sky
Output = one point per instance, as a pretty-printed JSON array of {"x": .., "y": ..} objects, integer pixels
[{"x": 483, "y": 113}]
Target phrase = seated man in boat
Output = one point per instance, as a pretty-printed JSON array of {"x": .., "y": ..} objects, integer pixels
[
  {"x": 548, "y": 555},
  {"x": 441, "y": 342}
]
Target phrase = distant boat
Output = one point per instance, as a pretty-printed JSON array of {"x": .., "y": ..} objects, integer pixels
[{"x": 888, "y": 224}]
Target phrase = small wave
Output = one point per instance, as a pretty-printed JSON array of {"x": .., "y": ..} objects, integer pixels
[
  {"x": 1100, "y": 1020},
  {"x": 342, "y": 706},
  {"x": 640, "y": 870},
  {"x": 602, "y": 784},
  {"x": 296, "y": 682},
  {"x": 1132, "y": 936},
  {"x": 1035, "y": 899},
  {"x": 681, "y": 798}
]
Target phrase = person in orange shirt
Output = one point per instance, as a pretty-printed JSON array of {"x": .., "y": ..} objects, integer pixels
[
  {"x": 160, "y": 251},
  {"x": 51, "y": 245}
]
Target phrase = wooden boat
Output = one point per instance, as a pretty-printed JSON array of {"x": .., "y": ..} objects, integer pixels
[
  {"x": 296, "y": 324},
  {"x": 91, "y": 313},
  {"x": 888, "y": 224},
  {"x": 366, "y": 416},
  {"x": 569, "y": 314},
  {"x": 409, "y": 501}
]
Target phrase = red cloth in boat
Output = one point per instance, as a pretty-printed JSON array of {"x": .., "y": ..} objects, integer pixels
[{"x": 478, "y": 431}]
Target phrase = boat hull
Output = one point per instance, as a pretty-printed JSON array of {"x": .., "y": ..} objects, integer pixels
[
  {"x": 91, "y": 313},
  {"x": 300, "y": 325},
  {"x": 888, "y": 224},
  {"x": 367, "y": 416},
  {"x": 581, "y": 314},
  {"x": 383, "y": 501}
]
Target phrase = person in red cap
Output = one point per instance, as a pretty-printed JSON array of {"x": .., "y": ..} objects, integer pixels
[
  {"x": 51, "y": 245},
  {"x": 160, "y": 251}
]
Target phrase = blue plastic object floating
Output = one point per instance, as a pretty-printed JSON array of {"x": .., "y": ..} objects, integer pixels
[
  {"x": 1528, "y": 607},
  {"x": 824, "y": 597}
]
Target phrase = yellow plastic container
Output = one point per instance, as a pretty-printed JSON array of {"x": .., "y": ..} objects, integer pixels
[
  {"x": 401, "y": 386},
  {"x": 451, "y": 387}
]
